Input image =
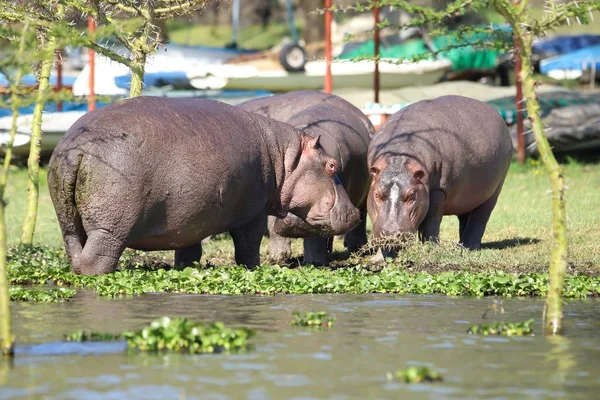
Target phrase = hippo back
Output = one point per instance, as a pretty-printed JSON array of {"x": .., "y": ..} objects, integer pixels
[
  {"x": 448, "y": 135},
  {"x": 283, "y": 106}
]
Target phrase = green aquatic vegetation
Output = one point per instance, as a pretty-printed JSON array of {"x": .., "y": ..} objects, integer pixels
[
  {"x": 414, "y": 374},
  {"x": 319, "y": 319},
  {"x": 92, "y": 336},
  {"x": 183, "y": 336},
  {"x": 503, "y": 329},
  {"x": 40, "y": 295},
  {"x": 41, "y": 265}
]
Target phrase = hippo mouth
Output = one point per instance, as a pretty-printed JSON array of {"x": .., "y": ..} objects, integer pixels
[{"x": 340, "y": 219}]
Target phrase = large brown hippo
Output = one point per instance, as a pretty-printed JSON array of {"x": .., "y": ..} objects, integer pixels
[
  {"x": 446, "y": 156},
  {"x": 156, "y": 173},
  {"x": 345, "y": 133}
]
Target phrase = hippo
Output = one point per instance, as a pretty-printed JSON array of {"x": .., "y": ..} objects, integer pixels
[
  {"x": 345, "y": 134},
  {"x": 154, "y": 173},
  {"x": 445, "y": 156}
]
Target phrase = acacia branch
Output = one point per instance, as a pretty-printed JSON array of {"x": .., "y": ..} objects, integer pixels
[
  {"x": 179, "y": 8},
  {"x": 563, "y": 12}
]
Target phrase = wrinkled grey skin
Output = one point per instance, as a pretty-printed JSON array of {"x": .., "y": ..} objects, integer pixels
[
  {"x": 446, "y": 156},
  {"x": 345, "y": 134},
  {"x": 156, "y": 173}
]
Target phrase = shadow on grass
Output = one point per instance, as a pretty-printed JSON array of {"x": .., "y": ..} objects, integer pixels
[{"x": 509, "y": 243}]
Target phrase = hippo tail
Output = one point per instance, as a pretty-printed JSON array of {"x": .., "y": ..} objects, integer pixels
[{"x": 63, "y": 170}]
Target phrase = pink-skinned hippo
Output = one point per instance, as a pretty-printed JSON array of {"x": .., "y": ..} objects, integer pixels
[
  {"x": 446, "y": 156},
  {"x": 345, "y": 134},
  {"x": 155, "y": 173}
]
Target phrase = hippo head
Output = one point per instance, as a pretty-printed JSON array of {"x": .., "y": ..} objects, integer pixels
[
  {"x": 313, "y": 196},
  {"x": 398, "y": 198}
]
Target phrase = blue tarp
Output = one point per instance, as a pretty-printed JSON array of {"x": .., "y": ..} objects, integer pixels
[
  {"x": 51, "y": 107},
  {"x": 29, "y": 80},
  {"x": 156, "y": 79},
  {"x": 565, "y": 44},
  {"x": 575, "y": 60}
]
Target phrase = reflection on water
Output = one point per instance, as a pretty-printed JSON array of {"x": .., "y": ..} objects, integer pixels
[{"x": 373, "y": 334}]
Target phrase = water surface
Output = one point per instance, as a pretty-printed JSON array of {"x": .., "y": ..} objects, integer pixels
[{"x": 373, "y": 334}]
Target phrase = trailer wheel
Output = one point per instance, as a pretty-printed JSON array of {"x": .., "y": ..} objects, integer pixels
[{"x": 292, "y": 57}]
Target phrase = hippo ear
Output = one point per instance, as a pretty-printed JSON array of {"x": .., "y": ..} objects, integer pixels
[
  {"x": 316, "y": 142},
  {"x": 309, "y": 143},
  {"x": 418, "y": 176},
  {"x": 374, "y": 171}
]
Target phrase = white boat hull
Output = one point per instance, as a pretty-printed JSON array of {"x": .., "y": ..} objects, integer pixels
[
  {"x": 54, "y": 126},
  {"x": 345, "y": 75}
]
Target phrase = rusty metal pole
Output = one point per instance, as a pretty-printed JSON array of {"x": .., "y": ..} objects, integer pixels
[
  {"x": 376, "y": 54},
  {"x": 59, "y": 78},
  {"x": 521, "y": 155},
  {"x": 91, "y": 61},
  {"x": 328, "y": 19}
]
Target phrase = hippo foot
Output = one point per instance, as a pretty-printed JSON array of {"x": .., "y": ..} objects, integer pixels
[{"x": 187, "y": 256}]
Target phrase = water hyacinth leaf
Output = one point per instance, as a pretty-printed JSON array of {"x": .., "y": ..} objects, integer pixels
[
  {"x": 92, "y": 336},
  {"x": 42, "y": 265},
  {"x": 40, "y": 295},
  {"x": 503, "y": 329},
  {"x": 184, "y": 336},
  {"x": 319, "y": 319},
  {"x": 414, "y": 374}
]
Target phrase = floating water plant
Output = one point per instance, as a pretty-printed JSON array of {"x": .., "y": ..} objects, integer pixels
[
  {"x": 42, "y": 265},
  {"x": 92, "y": 336},
  {"x": 41, "y": 296},
  {"x": 415, "y": 374},
  {"x": 183, "y": 336},
  {"x": 319, "y": 319},
  {"x": 503, "y": 329}
]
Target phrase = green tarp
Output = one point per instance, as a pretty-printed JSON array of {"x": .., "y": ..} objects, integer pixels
[{"x": 463, "y": 58}]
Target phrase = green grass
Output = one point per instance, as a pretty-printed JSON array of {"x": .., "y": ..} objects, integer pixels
[
  {"x": 518, "y": 235},
  {"x": 251, "y": 37}
]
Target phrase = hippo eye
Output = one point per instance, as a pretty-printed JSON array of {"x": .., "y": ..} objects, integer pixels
[
  {"x": 330, "y": 167},
  {"x": 411, "y": 196}
]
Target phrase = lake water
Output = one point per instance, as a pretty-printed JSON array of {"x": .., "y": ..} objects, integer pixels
[{"x": 373, "y": 334}]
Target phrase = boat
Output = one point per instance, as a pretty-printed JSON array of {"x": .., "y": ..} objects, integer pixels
[
  {"x": 501, "y": 98},
  {"x": 571, "y": 65},
  {"x": 30, "y": 81},
  {"x": 344, "y": 74},
  {"x": 571, "y": 128},
  {"x": 561, "y": 44},
  {"x": 466, "y": 56},
  {"x": 51, "y": 106},
  {"x": 54, "y": 126}
]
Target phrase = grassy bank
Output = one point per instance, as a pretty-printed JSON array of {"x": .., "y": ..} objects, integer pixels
[
  {"x": 250, "y": 37},
  {"x": 518, "y": 236}
]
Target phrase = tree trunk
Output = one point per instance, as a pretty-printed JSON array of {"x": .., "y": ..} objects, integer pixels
[
  {"x": 33, "y": 162},
  {"x": 6, "y": 336},
  {"x": 314, "y": 24},
  {"x": 553, "y": 316},
  {"x": 560, "y": 247},
  {"x": 137, "y": 75}
]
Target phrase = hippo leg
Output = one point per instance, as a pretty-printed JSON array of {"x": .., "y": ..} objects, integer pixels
[
  {"x": 280, "y": 248},
  {"x": 357, "y": 237},
  {"x": 430, "y": 227},
  {"x": 246, "y": 240},
  {"x": 462, "y": 225},
  {"x": 100, "y": 254},
  {"x": 316, "y": 249},
  {"x": 471, "y": 235},
  {"x": 187, "y": 256}
]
